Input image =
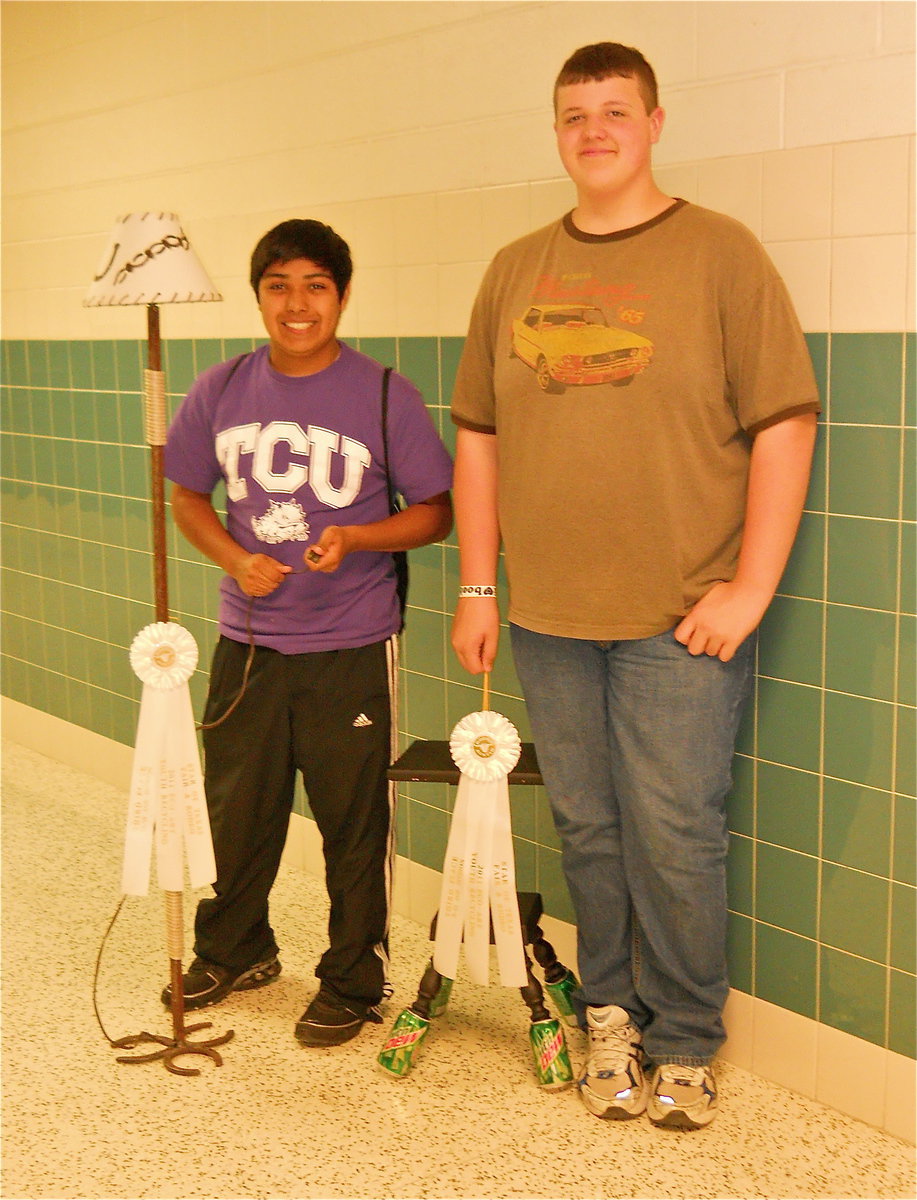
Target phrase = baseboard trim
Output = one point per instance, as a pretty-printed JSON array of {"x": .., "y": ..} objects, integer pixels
[
  {"x": 99, "y": 756},
  {"x": 796, "y": 1052}
]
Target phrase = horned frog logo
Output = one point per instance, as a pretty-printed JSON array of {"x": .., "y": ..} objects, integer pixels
[{"x": 283, "y": 522}]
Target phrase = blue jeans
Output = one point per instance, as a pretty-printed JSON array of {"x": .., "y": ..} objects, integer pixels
[{"x": 635, "y": 741}]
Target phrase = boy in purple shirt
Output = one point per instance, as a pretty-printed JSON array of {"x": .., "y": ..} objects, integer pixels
[{"x": 309, "y": 620}]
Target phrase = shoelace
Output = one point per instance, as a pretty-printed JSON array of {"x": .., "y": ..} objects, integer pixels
[
  {"x": 686, "y": 1076},
  {"x": 611, "y": 1050}
]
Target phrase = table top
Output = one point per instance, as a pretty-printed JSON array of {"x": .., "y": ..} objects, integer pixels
[{"x": 431, "y": 762}]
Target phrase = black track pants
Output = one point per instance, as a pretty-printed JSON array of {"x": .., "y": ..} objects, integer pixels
[{"x": 328, "y": 715}]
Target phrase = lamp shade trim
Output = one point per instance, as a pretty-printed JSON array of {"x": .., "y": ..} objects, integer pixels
[{"x": 149, "y": 260}]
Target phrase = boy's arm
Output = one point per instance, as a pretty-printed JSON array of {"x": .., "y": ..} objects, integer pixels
[
  {"x": 781, "y": 459},
  {"x": 476, "y": 626},
  {"x": 195, "y": 516},
  {"x": 417, "y": 525}
]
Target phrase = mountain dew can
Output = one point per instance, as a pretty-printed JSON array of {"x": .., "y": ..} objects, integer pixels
[
  {"x": 441, "y": 999},
  {"x": 549, "y": 1050},
  {"x": 561, "y": 992},
  {"x": 408, "y": 1032}
]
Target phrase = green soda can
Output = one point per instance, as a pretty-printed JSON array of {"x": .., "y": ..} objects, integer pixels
[
  {"x": 441, "y": 999},
  {"x": 397, "y": 1055},
  {"x": 549, "y": 1050},
  {"x": 561, "y": 992}
]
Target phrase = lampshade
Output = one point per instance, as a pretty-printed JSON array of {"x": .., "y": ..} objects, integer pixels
[{"x": 149, "y": 260}]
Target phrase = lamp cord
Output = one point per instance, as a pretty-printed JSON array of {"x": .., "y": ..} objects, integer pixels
[
  {"x": 95, "y": 978},
  {"x": 249, "y": 659}
]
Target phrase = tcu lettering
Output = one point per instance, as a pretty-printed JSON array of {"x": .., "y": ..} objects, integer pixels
[{"x": 323, "y": 448}]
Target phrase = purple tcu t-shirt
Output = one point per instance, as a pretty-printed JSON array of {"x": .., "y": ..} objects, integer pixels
[{"x": 297, "y": 454}]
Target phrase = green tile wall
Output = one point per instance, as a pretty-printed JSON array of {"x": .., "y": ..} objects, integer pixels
[{"x": 822, "y": 876}]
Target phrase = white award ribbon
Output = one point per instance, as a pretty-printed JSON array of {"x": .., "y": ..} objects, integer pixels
[
  {"x": 167, "y": 788},
  {"x": 479, "y": 874}
]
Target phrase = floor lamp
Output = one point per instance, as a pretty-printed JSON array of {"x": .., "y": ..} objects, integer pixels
[{"x": 149, "y": 261}]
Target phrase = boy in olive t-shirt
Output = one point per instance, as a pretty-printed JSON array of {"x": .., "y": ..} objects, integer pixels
[{"x": 636, "y": 417}]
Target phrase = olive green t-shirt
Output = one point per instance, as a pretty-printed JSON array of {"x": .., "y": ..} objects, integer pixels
[{"x": 625, "y": 376}]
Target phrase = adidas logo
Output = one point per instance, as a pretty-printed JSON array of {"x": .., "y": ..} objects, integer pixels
[{"x": 361, "y": 721}]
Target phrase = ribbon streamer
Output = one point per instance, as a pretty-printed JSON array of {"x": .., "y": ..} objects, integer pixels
[
  {"x": 167, "y": 804},
  {"x": 479, "y": 874}
]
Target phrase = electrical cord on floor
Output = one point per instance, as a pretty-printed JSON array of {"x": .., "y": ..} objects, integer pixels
[{"x": 95, "y": 978}]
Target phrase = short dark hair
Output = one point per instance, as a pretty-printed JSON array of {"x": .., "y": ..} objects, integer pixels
[
  {"x": 303, "y": 239},
  {"x": 602, "y": 59}
]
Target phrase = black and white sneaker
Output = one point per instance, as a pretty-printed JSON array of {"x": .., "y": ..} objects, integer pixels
[
  {"x": 206, "y": 983},
  {"x": 330, "y": 1020}
]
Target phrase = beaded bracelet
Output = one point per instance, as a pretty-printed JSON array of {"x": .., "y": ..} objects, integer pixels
[{"x": 488, "y": 590}]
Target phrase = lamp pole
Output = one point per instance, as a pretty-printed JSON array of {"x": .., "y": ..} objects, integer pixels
[
  {"x": 149, "y": 259},
  {"x": 155, "y": 430},
  {"x": 155, "y": 420}
]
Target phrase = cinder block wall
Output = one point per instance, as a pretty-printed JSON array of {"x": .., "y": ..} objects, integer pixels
[{"x": 422, "y": 131}]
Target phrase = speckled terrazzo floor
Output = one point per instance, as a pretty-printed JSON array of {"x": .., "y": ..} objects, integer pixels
[{"x": 280, "y": 1121}]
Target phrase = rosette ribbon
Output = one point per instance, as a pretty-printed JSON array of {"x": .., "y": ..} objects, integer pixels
[
  {"x": 479, "y": 874},
  {"x": 166, "y": 802}
]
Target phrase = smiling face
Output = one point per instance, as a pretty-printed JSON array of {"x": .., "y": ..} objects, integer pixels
[
  {"x": 605, "y": 137},
  {"x": 300, "y": 307}
]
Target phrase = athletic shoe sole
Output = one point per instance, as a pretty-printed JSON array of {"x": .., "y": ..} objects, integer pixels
[{"x": 682, "y": 1120}]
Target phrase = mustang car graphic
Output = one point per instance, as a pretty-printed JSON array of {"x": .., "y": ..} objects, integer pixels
[{"x": 574, "y": 344}]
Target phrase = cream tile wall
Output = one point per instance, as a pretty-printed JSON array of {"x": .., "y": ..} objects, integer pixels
[{"x": 422, "y": 131}]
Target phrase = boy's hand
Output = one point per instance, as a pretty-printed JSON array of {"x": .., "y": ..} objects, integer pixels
[
  {"x": 476, "y": 633},
  {"x": 259, "y": 574},
  {"x": 330, "y": 550},
  {"x": 721, "y": 620}
]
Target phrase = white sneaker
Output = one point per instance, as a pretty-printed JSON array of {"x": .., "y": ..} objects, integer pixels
[
  {"x": 613, "y": 1085},
  {"x": 682, "y": 1097}
]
